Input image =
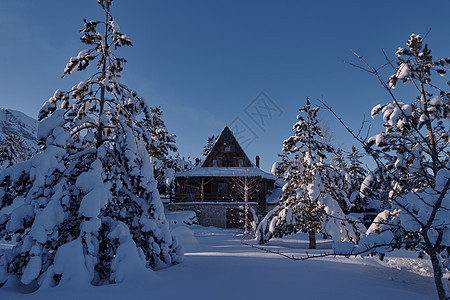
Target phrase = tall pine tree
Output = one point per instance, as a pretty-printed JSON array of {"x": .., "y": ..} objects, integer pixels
[
  {"x": 306, "y": 201},
  {"x": 91, "y": 211}
]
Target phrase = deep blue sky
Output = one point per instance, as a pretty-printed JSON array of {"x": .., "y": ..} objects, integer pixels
[{"x": 204, "y": 61}]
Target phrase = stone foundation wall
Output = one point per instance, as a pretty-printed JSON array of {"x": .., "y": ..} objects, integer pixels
[{"x": 210, "y": 213}]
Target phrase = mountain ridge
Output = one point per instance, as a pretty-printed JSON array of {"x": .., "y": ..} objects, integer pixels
[{"x": 21, "y": 126}]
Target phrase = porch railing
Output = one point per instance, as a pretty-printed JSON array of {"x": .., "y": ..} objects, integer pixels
[{"x": 197, "y": 197}]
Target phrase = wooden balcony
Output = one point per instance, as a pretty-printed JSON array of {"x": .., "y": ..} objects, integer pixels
[{"x": 197, "y": 197}]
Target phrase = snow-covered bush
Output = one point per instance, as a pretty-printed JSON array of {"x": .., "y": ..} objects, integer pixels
[
  {"x": 309, "y": 200},
  {"x": 91, "y": 212}
]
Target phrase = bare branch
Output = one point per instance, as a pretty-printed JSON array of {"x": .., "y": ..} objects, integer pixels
[{"x": 392, "y": 245}]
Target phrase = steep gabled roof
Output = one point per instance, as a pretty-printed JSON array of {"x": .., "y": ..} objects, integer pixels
[{"x": 226, "y": 137}]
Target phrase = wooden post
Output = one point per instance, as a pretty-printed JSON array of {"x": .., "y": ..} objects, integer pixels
[
  {"x": 246, "y": 206},
  {"x": 202, "y": 190}
]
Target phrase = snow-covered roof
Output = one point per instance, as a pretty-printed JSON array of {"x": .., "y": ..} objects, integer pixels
[{"x": 226, "y": 172}]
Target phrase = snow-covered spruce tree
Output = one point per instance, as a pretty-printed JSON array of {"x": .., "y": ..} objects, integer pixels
[
  {"x": 374, "y": 189},
  {"x": 339, "y": 159},
  {"x": 206, "y": 150},
  {"x": 12, "y": 150},
  {"x": 209, "y": 145},
  {"x": 356, "y": 174},
  {"x": 338, "y": 180},
  {"x": 91, "y": 211},
  {"x": 414, "y": 164},
  {"x": 306, "y": 203},
  {"x": 164, "y": 171},
  {"x": 162, "y": 148}
]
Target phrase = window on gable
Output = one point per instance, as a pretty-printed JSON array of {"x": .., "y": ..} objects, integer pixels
[
  {"x": 227, "y": 148},
  {"x": 214, "y": 162},
  {"x": 241, "y": 162}
]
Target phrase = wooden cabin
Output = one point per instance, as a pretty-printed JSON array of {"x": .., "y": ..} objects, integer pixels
[{"x": 215, "y": 190}]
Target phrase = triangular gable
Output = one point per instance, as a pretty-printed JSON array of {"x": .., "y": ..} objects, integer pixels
[{"x": 227, "y": 152}]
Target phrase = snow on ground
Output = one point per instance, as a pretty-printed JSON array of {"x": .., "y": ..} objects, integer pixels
[
  {"x": 186, "y": 217},
  {"x": 218, "y": 266}
]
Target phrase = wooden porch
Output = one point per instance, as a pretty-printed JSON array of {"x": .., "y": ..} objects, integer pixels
[{"x": 216, "y": 190}]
